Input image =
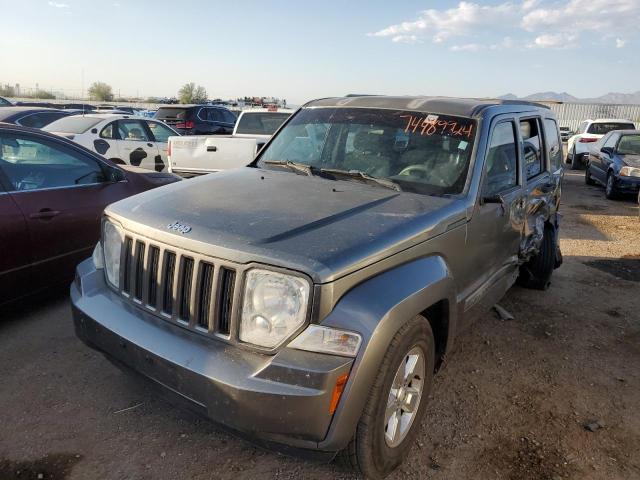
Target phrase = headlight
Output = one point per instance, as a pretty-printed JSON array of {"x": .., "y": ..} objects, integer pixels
[
  {"x": 321, "y": 339},
  {"x": 112, "y": 238},
  {"x": 629, "y": 172},
  {"x": 275, "y": 306}
]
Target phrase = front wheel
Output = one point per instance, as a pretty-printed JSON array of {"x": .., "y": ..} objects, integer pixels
[{"x": 397, "y": 403}]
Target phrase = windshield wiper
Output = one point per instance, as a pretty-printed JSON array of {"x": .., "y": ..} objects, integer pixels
[
  {"x": 365, "y": 177},
  {"x": 293, "y": 166}
]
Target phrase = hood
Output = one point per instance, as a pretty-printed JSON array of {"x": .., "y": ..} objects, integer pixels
[
  {"x": 631, "y": 160},
  {"x": 325, "y": 228}
]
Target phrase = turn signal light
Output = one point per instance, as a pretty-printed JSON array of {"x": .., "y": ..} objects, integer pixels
[{"x": 337, "y": 392}]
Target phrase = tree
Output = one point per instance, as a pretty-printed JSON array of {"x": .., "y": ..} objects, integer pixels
[
  {"x": 100, "y": 91},
  {"x": 190, "y": 93}
]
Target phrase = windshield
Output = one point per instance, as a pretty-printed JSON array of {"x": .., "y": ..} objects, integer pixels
[
  {"x": 261, "y": 123},
  {"x": 604, "y": 128},
  {"x": 420, "y": 152},
  {"x": 72, "y": 124},
  {"x": 629, "y": 145}
]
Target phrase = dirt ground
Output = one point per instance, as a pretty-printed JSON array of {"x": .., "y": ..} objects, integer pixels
[{"x": 511, "y": 403}]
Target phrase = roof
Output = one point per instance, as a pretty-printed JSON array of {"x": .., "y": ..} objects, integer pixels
[
  {"x": 114, "y": 116},
  {"x": 609, "y": 120},
  {"x": 465, "y": 107},
  {"x": 628, "y": 132}
]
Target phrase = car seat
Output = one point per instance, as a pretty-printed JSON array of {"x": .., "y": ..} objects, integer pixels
[{"x": 369, "y": 154}]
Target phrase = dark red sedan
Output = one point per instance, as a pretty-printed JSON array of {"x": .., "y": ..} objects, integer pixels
[{"x": 52, "y": 194}]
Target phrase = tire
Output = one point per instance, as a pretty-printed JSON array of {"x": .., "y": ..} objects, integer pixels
[
  {"x": 536, "y": 273},
  {"x": 369, "y": 452},
  {"x": 576, "y": 163},
  {"x": 587, "y": 176},
  {"x": 610, "y": 188}
]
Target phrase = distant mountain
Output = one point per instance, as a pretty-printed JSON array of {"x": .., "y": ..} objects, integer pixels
[{"x": 611, "y": 98}]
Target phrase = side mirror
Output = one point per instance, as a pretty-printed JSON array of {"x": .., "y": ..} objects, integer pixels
[
  {"x": 94, "y": 130},
  {"x": 116, "y": 175},
  {"x": 607, "y": 150},
  {"x": 492, "y": 199}
]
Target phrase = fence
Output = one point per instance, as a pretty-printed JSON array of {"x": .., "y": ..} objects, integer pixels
[{"x": 571, "y": 114}]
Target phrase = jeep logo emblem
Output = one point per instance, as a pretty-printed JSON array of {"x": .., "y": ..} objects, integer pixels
[{"x": 179, "y": 227}]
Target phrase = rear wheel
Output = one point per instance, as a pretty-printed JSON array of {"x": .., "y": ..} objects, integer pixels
[
  {"x": 536, "y": 273},
  {"x": 397, "y": 403},
  {"x": 576, "y": 161},
  {"x": 610, "y": 188},
  {"x": 587, "y": 176}
]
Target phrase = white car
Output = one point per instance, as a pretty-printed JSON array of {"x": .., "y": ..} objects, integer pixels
[
  {"x": 591, "y": 131},
  {"x": 124, "y": 139}
]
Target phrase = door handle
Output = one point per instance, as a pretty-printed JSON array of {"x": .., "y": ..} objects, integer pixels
[
  {"x": 149, "y": 144},
  {"x": 45, "y": 214},
  {"x": 212, "y": 148}
]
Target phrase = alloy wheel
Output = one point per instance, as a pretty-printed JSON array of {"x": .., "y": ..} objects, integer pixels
[{"x": 404, "y": 397}]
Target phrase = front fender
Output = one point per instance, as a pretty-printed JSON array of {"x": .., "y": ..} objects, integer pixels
[{"x": 376, "y": 309}]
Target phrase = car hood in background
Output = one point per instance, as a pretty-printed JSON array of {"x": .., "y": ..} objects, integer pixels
[
  {"x": 631, "y": 160},
  {"x": 323, "y": 227}
]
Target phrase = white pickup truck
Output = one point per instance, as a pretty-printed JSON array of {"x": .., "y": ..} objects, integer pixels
[{"x": 190, "y": 156}]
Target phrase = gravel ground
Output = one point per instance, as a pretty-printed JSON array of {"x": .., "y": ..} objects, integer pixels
[{"x": 512, "y": 402}]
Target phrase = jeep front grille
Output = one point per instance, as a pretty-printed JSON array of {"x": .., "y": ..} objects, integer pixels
[{"x": 190, "y": 290}]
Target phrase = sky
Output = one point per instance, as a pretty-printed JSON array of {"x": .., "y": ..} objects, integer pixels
[{"x": 300, "y": 50}]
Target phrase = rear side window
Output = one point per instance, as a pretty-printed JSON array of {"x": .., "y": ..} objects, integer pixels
[
  {"x": 502, "y": 160},
  {"x": 260, "y": 123},
  {"x": 212, "y": 114},
  {"x": 603, "y": 128},
  {"x": 554, "y": 149},
  {"x": 533, "y": 159},
  {"x": 108, "y": 131}
]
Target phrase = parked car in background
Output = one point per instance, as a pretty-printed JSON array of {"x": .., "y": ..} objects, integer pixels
[
  {"x": 197, "y": 119},
  {"x": 36, "y": 104},
  {"x": 590, "y": 131},
  {"x": 309, "y": 300},
  {"x": 52, "y": 194},
  {"x": 198, "y": 155},
  {"x": 31, "y": 117},
  {"x": 124, "y": 109},
  {"x": 4, "y": 102},
  {"x": 124, "y": 139},
  {"x": 84, "y": 107},
  {"x": 614, "y": 162},
  {"x": 565, "y": 133}
]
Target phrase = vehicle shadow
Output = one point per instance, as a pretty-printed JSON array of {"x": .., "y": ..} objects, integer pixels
[{"x": 32, "y": 308}]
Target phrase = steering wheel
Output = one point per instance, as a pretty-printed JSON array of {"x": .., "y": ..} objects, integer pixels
[{"x": 412, "y": 169}]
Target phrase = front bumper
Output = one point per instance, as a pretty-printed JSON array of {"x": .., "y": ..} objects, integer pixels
[
  {"x": 627, "y": 184},
  {"x": 279, "y": 399}
]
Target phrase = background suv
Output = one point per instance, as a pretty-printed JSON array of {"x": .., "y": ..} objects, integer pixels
[{"x": 197, "y": 119}]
